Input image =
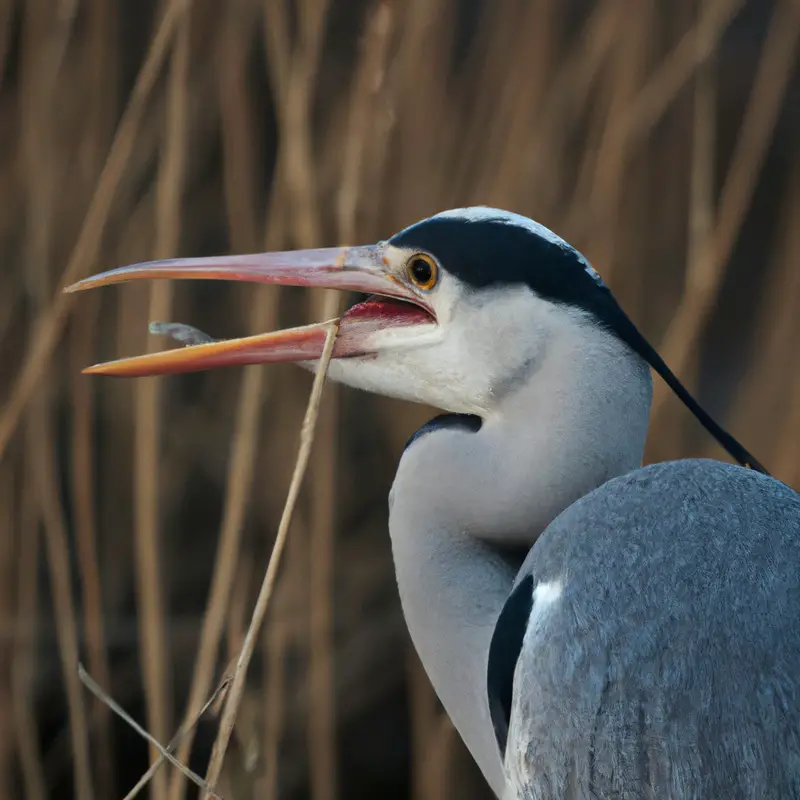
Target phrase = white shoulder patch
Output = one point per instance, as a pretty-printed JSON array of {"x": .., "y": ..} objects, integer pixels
[{"x": 546, "y": 593}]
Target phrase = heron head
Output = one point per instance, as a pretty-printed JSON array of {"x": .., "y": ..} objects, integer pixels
[{"x": 458, "y": 308}]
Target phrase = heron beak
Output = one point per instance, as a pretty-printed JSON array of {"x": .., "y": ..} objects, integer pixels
[{"x": 358, "y": 269}]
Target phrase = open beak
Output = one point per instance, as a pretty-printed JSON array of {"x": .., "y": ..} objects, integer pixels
[{"x": 395, "y": 304}]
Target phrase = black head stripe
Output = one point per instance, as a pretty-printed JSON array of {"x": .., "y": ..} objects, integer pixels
[{"x": 491, "y": 251}]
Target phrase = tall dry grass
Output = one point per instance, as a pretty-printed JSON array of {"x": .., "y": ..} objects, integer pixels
[{"x": 138, "y": 518}]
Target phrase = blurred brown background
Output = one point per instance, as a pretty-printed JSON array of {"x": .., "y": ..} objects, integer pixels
[{"x": 137, "y": 518}]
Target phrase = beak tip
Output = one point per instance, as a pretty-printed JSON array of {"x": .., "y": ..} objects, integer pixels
[{"x": 105, "y": 368}]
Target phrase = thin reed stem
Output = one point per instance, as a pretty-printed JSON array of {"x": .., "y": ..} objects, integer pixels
[{"x": 234, "y": 699}]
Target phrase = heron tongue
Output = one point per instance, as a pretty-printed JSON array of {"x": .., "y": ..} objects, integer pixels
[{"x": 390, "y": 311}]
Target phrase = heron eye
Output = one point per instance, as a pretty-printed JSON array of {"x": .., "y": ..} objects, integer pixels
[{"x": 422, "y": 271}]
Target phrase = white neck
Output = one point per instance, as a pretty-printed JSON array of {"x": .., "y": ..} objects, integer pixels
[{"x": 577, "y": 421}]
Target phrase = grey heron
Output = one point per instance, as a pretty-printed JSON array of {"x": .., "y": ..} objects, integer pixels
[{"x": 594, "y": 628}]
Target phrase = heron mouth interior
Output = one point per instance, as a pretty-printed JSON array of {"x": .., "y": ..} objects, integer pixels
[
  {"x": 386, "y": 311},
  {"x": 389, "y": 310}
]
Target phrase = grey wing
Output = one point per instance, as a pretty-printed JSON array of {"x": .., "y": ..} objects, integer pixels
[{"x": 661, "y": 658}]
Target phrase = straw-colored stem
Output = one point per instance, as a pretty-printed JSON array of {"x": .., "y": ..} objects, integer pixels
[
  {"x": 150, "y": 587},
  {"x": 275, "y": 643},
  {"x": 83, "y": 498},
  {"x": 163, "y": 752},
  {"x": 424, "y": 719},
  {"x": 701, "y": 187},
  {"x": 8, "y": 542},
  {"x": 322, "y": 708},
  {"x": 44, "y": 46},
  {"x": 704, "y": 278},
  {"x": 102, "y": 88},
  {"x": 607, "y": 181},
  {"x": 677, "y": 68},
  {"x": 51, "y": 321},
  {"x": 297, "y": 157},
  {"x": 64, "y": 611},
  {"x": 238, "y": 173},
  {"x": 439, "y": 778},
  {"x": 171, "y": 747},
  {"x": 236, "y": 692},
  {"x": 765, "y": 408},
  {"x": 6, "y": 14},
  {"x": 23, "y": 660}
]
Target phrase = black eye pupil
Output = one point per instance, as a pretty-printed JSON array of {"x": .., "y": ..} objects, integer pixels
[{"x": 421, "y": 270}]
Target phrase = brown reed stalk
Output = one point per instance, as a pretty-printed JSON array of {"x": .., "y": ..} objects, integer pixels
[
  {"x": 322, "y": 708},
  {"x": 701, "y": 209},
  {"x": 787, "y": 459},
  {"x": 236, "y": 692},
  {"x": 6, "y": 16},
  {"x": 424, "y": 721},
  {"x": 380, "y": 121},
  {"x": 219, "y": 692},
  {"x": 164, "y": 752},
  {"x": 275, "y": 642},
  {"x": 43, "y": 456},
  {"x": 239, "y": 484},
  {"x": 40, "y": 78},
  {"x": 540, "y": 28},
  {"x": 427, "y": 27},
  {"x": 23, "y": 662},
  {"x": 649, "y": 105},
  {"x": 604, "y": 196},
  {"x": 296, "y": 147},
  {"x": 246, "y": 729},
  {"x": 239, "y": 170},
  {"x": 294, "y": 118},
  {"x": 439, "y": 780},
  {"x": 765, "y": 407},
  {"x": 578, "y": 70},
  {"x": 8, "y": 521},
  {"x": 285, "y": 635},
  {"x": 51, "y": 321},
  {"x": 704, "y": 278},
  {"x": 677, "y": 68},
  {"x": 150, "y": 591},
  {"x": 83, "y": 499},
  {"x": 701, "y": 185},
  {"x": 276, "y": 636},
  {"x": 101, "y": 82}
]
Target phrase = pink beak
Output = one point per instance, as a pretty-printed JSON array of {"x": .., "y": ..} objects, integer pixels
[{"x": 359, "y": 269}]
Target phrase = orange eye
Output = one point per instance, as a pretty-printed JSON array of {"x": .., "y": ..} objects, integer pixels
[{"x": 422, "y": 271}]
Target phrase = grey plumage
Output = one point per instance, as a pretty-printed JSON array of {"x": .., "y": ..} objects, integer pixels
[{"x": 668, "y": 666}]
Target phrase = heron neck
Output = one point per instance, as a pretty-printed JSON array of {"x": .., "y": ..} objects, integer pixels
[
  {"x": 461, "y": 499},
  {"x": 452, "y": 589}
]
